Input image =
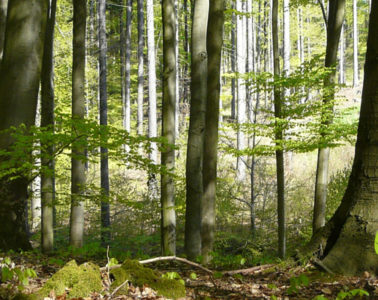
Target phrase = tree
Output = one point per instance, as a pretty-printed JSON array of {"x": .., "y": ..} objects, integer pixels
[
  {"x": 194, "y": 157},
  {"x": 47, "y": 120},
  {"x": 78, "y": 177},
  {"x": 140, "y": 66},
  {"x": 214, "y": 49},
  {"x": 168, "y": 214},
  {"x": 3, "y": 18},
  {"x": 355, "y": 45},
  {"x": 19, "y": 82},
  {"x": 334, "y": 24},
  {"x": 105, "y": 209},
  {"x": 350, "y": 247},
  {"x": 152, "y": 120},
  {"x": 278, "y": 137}
]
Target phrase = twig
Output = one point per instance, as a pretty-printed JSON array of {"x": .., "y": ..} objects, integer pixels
[
  {"x": 319, "y": 263},
  {"x": 324, "y": 13},
  {"x": 117, "y": 289}
]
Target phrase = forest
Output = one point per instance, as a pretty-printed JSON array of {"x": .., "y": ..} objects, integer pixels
[{"x": 188, "y": 149}]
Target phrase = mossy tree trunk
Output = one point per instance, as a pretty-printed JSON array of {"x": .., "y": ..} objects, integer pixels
[
  {"x": 350, "y": 246},
  {"x": 47, "y": 120},
  {"x": 19, "y": 82}
]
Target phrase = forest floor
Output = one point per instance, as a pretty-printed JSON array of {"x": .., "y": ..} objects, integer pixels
[{"x": 259, "y": 282}]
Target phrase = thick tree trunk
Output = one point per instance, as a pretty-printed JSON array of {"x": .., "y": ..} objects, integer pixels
[
  {"x": 335, "y": 21},
  {"x": 168, "y": 214},
  {"x": 214, "y": 48},
  {"x": 78, "y": 113},
  {"x": 350, "y": 247},
  {"x": 194, "y": 185},
  {"x": 103, "y": 46},
  {"x": 47, "y": 120},
  {"x": 279, "y": 137},
  {"x": 3, "y": 19},
  {"x": 140, "y": 66},
  {"x": 19, "y": 82}
]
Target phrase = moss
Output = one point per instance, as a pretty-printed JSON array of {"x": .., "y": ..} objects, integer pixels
[
  {"x": 80, "y": 280},
  {"x": 139, "y": 275},
  {"x": 25, "y": 297}
]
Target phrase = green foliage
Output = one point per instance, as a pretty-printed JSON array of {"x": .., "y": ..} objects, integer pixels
[
  {"x": 348, "y": 294},
  {"x": 16, "y": 278},
  {"x": 173, "y": 275},
  {"x": 376, "y": 242},
  {"x": 296, "y": 283}
]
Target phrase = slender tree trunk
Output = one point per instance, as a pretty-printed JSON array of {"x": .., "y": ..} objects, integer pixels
[
  {"x": 335, "y": 21},
  {"x": 78, "y": 177},
  {"x": 177, "y": 107},
  {"x": 350, "y": 247},
  {"x": 168, "y": 214},
  {"x": 279, "y": 138},
  {"x": 214, "y": 48},
  {"x": 300, "y": 35},
  {"x": 342, "y": 57},
  {"x": 241, "y": 54},
  {"x": 194, "y": 158},
  {"x": 19, "y": 82},
  {"x": 47, "y": 120},
  {"x": 126, "y": 103},
  {"x": 3, "y": 19},
  {"x": 105, "y": 208},
  {"x": 355, "y": 45},
  {"x": 152, "y": 121},
  {"x": 140, "y": 66},
  {"x": 286, "y": 41},
  {"x": 233, "y": 64}
]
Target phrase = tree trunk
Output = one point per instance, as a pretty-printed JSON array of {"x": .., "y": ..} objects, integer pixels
[
  {"x": 103, "y": 46},
  {"x": 214, "y": 48},
  {"x": 350, "y": 247},
  {"x": 126, "y": 99},
  {"x": 47, "y": 121},
  {"x": 335, "y": 21},
  {"x": 194, "y": 158},
  {"x": 342, "y": 57},
  {"x": 3, "y": 19},
  {"x": 233, "y": 63},
  {"x": 177, "y": 50},
  {"x": 78, "y": 113},
  {"x": 286, "y": 41},
  {"x": 355, "y": 45},
  {"x": 241, "y": 88},
  {"x": 19, "y": 82},
  {"x": 279, "y": 139},
  {"x": 140, "y": 66},
  {"x": 152, "y": 121},
  {"x": 168, "y": 214}
]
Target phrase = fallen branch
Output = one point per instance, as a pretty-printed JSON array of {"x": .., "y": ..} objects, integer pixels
[{"x": 249, "y": 270}]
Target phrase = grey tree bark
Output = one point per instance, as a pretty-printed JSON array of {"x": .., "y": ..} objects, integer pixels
[
  {"x": 152, "y": 120},
  {"x": 355, "y": 45},
  {"x": 279, "y": 137},
  {"x": 241, "y": 55},
  {"x": 140, "y": 8},
  {"x": 19, "y": 83},
  {"x": 350, "y": 247},
  {"x": 335, "y": 21},
  {"x": 103, "y": 46},
  {"x": 168, "y": 213},
  {"x": 127, "y": 92},
  {"x": 3, "y": 19},
  {"x": 78, "y": 176},
  {"x": 177, "y": 50},
  {"x": 194, "y": 158},
  {"x": 47, "y": 120},
  {"x": 342, "y": 57},
  {"x": 233, "y": 63},
  {"x": 214, "y": 49}
]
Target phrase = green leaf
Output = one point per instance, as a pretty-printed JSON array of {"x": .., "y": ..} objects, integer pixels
[
  {"x": 6, "y": 274},
  {"x": 7, "y": 260},
  {"x": 193, "y": 276},
  {"x": 242, "y": 261},
  {"x": 376, "y": 242}
]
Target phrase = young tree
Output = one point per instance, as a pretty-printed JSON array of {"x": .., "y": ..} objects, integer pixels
[
  {"x": 194, "y": 158},
  {"x": 3, "y": 18},
  {"x": 214, "y": 49},
  {"x": 140, "y": 66},
  {"x": 47, "y": 120},
  {"x": 168, "y": 214},
  {"x": 78, "y": 177},
  {"x": 103, "y": 46},
  {"x": 19, "y": 82},
  {"x": 278, "y": 136},
  {"x": 350, "y": 247},
  {"x": 355, "y": 45},
  {"x": 335, "y": 21}
]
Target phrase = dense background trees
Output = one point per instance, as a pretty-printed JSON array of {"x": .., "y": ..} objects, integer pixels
[{"x": 205, "y": 62}]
